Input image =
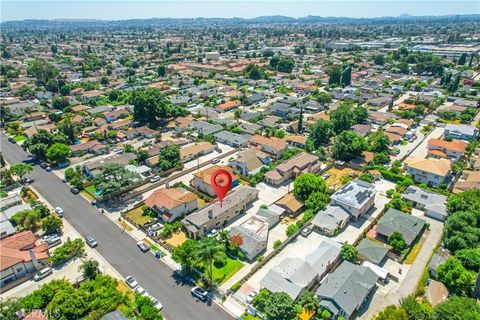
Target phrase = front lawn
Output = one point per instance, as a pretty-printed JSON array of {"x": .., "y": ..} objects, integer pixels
[
  {"x": 91, "y": 189},
  {"x": 220, "y": 275},
  {"x": 137, "y": 216},
  {"x": 19, "y": 138},
  {"x": 248, "y": 316}
]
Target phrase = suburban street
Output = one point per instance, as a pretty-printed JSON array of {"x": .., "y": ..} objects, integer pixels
[{"x": 117, "y": 247}]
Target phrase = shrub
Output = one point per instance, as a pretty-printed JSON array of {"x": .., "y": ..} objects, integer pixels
[
  {"x": 291, "y": 229},
  {"x": 260, "y": 258},
  {"x": 67, "y": 251},
  {"x": 236, "y": 286},
  {"x": 277, "y": 244}
]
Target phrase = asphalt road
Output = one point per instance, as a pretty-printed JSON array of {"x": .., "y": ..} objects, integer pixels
[{"x": 117, "y": 247}]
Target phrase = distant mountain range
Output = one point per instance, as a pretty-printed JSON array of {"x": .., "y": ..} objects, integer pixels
[{"x": 158, "y": 22}]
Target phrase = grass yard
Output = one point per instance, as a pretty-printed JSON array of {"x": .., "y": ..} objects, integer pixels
[
  {"x": 19, "y": 138},
  {"x": 91, "y": 189},
  {"x": 87, "y": 195},
  {"x": 413, "y": 253},
  {"x": 137, "y": 216},
  {"x": 248, "y": 316},
  {"x": 123, "y": 288},
  {"x": 227, "y": 271},
  {"x": 125, "y": 225}
]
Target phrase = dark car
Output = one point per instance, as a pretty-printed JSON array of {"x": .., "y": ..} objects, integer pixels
[
  {"x": 74, "y": 190},
  {"x": 27, "y": 180},
  {"x": 199, "y": 293},
  {"x": 43, "y": 165},
  {"x": 10, "y": 139}
]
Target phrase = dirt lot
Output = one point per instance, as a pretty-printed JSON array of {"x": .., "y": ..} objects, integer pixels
[
  {"x": 177, "y": 238},
  {"x": 335, "y": 176}
]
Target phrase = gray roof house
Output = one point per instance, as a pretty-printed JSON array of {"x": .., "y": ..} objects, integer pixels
[
  {"x": 272, "y": 214},
  {"x": 394, "y": 220},
  {"x": 356, "y": 197},
  {"x": 437, "y": 259},
  {"x": 204, "y": 128},
  {"x": 234, "y": 140},
  {"x": 331, "y": 219},
  {"x": 431, "y": 202},
  {"x": 460, "y": 131},
  {"x": 293, "y": 275},
  {"x": 254, "y": 233},
  {"x": 346, "y": 289},
  {"x": 371, "y": 251}
]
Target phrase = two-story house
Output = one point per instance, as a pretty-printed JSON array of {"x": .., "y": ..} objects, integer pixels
[
  {"x": 460, "y": 131},
  {"x": 356, "y": 197},
  {"x": 172, "y": 203},
  {"x": 432, "y": 172},
  {"x": 202, "y": 179},
  {"x": 452, "y": 150}
]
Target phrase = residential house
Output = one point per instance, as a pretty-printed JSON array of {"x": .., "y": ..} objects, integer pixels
[
  {"x": 432, "y": 203},
  {"x": 347, "y": 289},
  {"x": 92, "y": 168},
  {"x": 216, "y": 215},
  {"x": 234, "y": 140},
  {"x": 290, "y": 204},
  {"x": 460, "y": 131},
  {"x": 250, "y": 161},
  {"x": 432, "y": 172},
  {"x": 394, "y": 220},
  {"x": 272, "y": 214},
  {"x": 202, "y": 179},
  {"x": 362, "y": 129},
  {"x": 196, "y": 150},
  {"x": 11, "y": 201},
  {"x": 93, "y": 146},
  {"x": 452, "y": 150},
  {"x": 356, "y": 197},
  {"x": 228, "y": 106},
  {"x": 331, "y": 219},
  {"x": 372, "y": 251},
  {"x": 255, "y": 98},
  {"x": 436, "y": 292},
  {"x": 437, "y": 260},
  {"x": 379, "y": 118},
  {"x": 293, "y": 275},
  {"x": 21, "y": 107},
  {"x": 273, "y": 146},
  {"x": 21, "y": 255},
  {"x": 297, "y": 141},
  {"x": 270, "y": 121},
  {"x": 6, "y": 227},
  {"x": 472, "y": 180},
  {"x": 250, "y": 128},
  {"x": 204, "y": 128},
  {"x": 290, "y": 169},
  {"x": 172, "y": 203},
  {"x": 254, "y": 234}
]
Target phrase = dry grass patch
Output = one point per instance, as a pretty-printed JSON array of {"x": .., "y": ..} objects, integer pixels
[
  {"x": 336, "y": 175},
  {"x": 177, "y": 238},
  {"x": 137, "y": 216}
]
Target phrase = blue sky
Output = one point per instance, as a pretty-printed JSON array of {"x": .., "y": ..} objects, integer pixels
[{"x": 117, "y": 10}]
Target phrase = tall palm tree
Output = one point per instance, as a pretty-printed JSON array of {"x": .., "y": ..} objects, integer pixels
[{"x": 209, "y": 251}]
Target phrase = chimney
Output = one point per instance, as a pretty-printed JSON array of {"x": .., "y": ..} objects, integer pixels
[
  {"x": 36, "y": 264},
  {"x": 210, "y": 214}
]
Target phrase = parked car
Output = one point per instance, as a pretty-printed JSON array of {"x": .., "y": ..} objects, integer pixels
[
  {"x": 27, "y": 180},
  {"x": 52, "y": 240},
  {"x": 156, "y": 303},
  {"x": 155, "y": 179},
  {"x": 306, "y": 231},
  {"x": 199, "y": 293},
  {"x": 74, "y": 190},
  {"x": 325, "y": 176},
  {"x": 45, "y": 272},
  {"x": 141, "y": 291},
  {"x": 218, "y": 149},
  {"x": 59, "y": 211},
  {"x": 92, "y": 243},
  {"x": 131, "y": 282},
  {"x": 251, "y": 296},
  {"x": 43, "y": 165},
  {"x": 215, "y": 161},
  {"x": 143, "y": 246},
  {"x": 212, "y": 233},
  {"x": 48, "y": 169},
  {"x": 154, "y": 229},
  {"x": 10, "y": 139}
]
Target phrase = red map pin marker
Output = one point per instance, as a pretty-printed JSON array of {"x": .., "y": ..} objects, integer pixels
[{"x": 221, "y": 182}]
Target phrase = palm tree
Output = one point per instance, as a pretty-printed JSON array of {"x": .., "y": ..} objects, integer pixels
[
  {"x": 224, "y": 237},
  {"x": 209, "y": 251},
  {"x": 89, "y": 268}
]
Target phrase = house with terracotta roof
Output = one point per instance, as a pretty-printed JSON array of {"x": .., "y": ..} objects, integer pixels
[
  {"x": 227, "y": 106},
  {"x": 432, "y": 172},
  {"x": 201, "y": 179},
  {"x": 446, "y": 149},
  {"x": 91, "y": 147},
  {"x": 172, "y": 203},
  {"x": 273, "y": 146},
  {"x": 193, "y": 151},
  {"x": 21, "y": 255},
  {"x": 290, "y": 169}
]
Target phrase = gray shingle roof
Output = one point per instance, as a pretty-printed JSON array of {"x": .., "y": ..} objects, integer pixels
[
  {"x": 395, "y": 220},
  {"x": 424, "y": 197},
  {"x": 330, "y": 218},
  {"x": 372, "y": 250}
]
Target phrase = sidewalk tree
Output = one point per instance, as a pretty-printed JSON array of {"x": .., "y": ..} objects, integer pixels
[
  {"x": 89, "y": 268},
  {"x": 184, "y": 254},
  {"x": 52, "y": 224},
  {"x": 20, "y": 170},
  {"x": 58, "y": 152},
  {"x": 280, "y": 306}
]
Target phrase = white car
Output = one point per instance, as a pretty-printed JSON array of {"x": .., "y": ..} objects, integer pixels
[
  {"x": 59, "y": 211},
  {"x": 141, "y": 291},
  {"x": 251, "y": 296},
  {"x": 155, "y": 179},
  {"x": 45, "y": 272},
  {"x": 131, "y": 282},
  {"x": 156, "y": 303},
  {"x": 212, "y": 233}
]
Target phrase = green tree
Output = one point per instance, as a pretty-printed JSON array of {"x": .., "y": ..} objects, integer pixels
[
  {"x": 392, "y": 312},
  {"x": 42, "y": 70},
  {"x": 58, "y": 152},
  {"x": 379, "y": 59},
  {"x": 224, "y": 237},
  {"x": 26, "y": 220},
  {"x": 285, "y": 64},
  {"x": 348, "y": 145},
  {"x": 309, "y": 301},
  {"x": 347, "y": 76},
  {"x": 184, "y": 254},
  {"x": 470, "y": 258},
  {"x": 280, "y": 306},
  {"x": 210, "y": 251},
  {"x": 161, "y": 70},
  {"x": 454, "y": 275},
  {"x": 169, "y": 157},
  {"x": 457, "y": 308},
  {"x": 379, "y": 142},
  {"x": 317, "y": 201},
  {"x": 320, "y": 132},
  {"x": 415, "y": 309},
  {"x": 323, "y": 97},
  {"x": 260, "y": 300},
  {"x": 20, "y": 170},
  {"x": 146, "y": 308},
  {"x": 462, "y": 59},
  {"x": 89, "y": 268},
  {"x": 462, "y": 230},
  {"x": 150, "y": 106},
  {"x": 52, "y": 224},
  {"x": 142, "y": 155},
  {"x": 9, "y": 308},
  {"x": 343, "y": 117},
  {"x": 397, "y": 241},
  {"x": 334, "y": 75},
  {"x": 114, "y": 177},
  {"x": 349, "y": 253},
  {"x": 306, "y": 184}
]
